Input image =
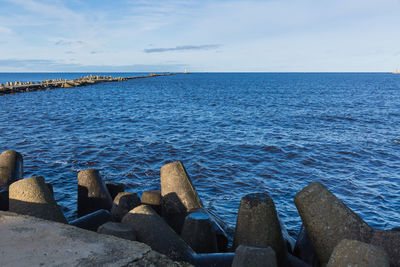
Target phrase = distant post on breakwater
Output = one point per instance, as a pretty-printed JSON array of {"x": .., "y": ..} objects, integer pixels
[{"x": 19, "y": 87}]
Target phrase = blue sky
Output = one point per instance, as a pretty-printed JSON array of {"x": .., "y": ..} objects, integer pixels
[{"x": 171, "y": 35}]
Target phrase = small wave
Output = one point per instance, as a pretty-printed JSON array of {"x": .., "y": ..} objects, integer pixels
[
  {"x": 350, "y": 153},
  {"x": 332, "y": 118},
  {"x": 272, "y": 149}
]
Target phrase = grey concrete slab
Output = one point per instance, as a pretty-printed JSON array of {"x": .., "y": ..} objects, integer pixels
[{"x": 30, "y": 241}]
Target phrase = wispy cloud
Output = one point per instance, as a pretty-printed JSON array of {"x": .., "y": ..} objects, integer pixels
[
  {"x": 5, "y": 30},
  {"x": 182, "y": 48},
  {"x": 53, "y": 65},
  {"x": 62, "y": 42}
]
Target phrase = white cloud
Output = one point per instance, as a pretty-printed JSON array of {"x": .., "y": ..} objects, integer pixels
[{"x": 5, "y": 30}]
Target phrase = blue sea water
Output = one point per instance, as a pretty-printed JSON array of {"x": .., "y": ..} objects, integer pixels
[{"x": 236, "y": 133}]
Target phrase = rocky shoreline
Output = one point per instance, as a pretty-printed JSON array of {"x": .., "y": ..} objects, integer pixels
[
  {"x": 174, "y": 222},
  {"x": 19, "y": 87}
]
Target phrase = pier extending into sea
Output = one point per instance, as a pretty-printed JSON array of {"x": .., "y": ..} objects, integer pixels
[{"x": 19, "y": 87}]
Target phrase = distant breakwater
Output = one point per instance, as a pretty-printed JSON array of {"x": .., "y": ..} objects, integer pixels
[{"x": 19, "y": 87}]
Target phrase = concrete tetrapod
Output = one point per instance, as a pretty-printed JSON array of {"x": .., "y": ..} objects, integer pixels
[
  {"x": 118, "y": 230},
  {"x": 219, "y": 228},
  {"x": 152, "y": 230},
  {"x": 123, "y": 203},
  {"x": 31, "y": 196},
  {"x": 92, "y": 193},
  {"x": 3, "y": 198},
  {"x": 174, "y": 179},
  {"x": 198, "y": 232},
  {"x": 390, "y": 241},
  {"x": 153, "y": 199},
  {"x": 11, "y": 167},
  {"x": 246, "y": 256},
  {"x": 114, "y": 188},
  {"x": 173, "y": 211},
  {"x": 356, "y": 253},
  {"x": 92, "y": 221},
  {"x": 180, "y": 197},
  {"x": 328, "y": 220},
  {"x": 258, "y": 224},
  {"x": 303, "y": 248}
]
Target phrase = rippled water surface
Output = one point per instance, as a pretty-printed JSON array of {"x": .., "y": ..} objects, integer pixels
[{"x": 235, "y": 133}]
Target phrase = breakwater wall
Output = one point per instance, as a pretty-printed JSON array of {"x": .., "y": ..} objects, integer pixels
[
  {"x": 173, "y": 221},
  {"x": 19, "y": 87}
]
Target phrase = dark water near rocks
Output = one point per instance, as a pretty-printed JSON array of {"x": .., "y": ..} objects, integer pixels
[{"x": 235, "y": 133}]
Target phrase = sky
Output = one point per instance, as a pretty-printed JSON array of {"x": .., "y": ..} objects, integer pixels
[{"x": 201, "y": 36}]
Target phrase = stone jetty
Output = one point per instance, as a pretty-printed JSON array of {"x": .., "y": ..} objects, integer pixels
[
  {"x": 171, "y": 227},
  {"x": 19, "y": 87}
]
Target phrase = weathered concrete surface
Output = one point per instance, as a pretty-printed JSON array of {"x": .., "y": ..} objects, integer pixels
[
  {"x": 114, "y": 188},
  {"x": 328, "y": 220},
  {"x": 151, "y": 197},
  {"x": 174, "y": 179},
  {"x": 198, "y": 232},
  {"x": 92, "y": 192},
  {"x": 219, "y": 227},
  {"x": 93, "y": 220},
  {"x": 29, "y": 241},
  {"x": 31, "y": 196},
  {"x": 390, "y": 241},
  {"x": 304, "y": 250},
  {"x": 355, "y": 253},
  {"x": 173, "y": 211},
  {"x": 4, "y": 198},
  {"x": 246, "y": 256},
  {"x": 151, "y": 229},
  {"x": 123, "y": 203},
  {"x": 258, "y": 224},
  {"x": 11, "y": 167},
  {"x": 117, "y": 229}
]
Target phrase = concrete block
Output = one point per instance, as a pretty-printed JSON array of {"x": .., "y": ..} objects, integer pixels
[
  {"x": 92, "y": 221},
  {"x": 213, "y": 260},
  {"x": 92, "y": 193},
  {"x": 152, "y": 230},
  {"x": 51, "y": 189},
  {"x": 356, "y": 253},
  {"x": 173, "y": 211},
  {"x": 247, "y": 256},
  {"x": 198, "y": 232},
  {"x": 219, "y": 228},
  {"x": 287, "y": 238},
  {"x": 11, "y": 167},
  {"x": 4, "y": 198},
  {"x": 293, "y": 261},
  {"x": 28, "y": 241},
  {"x": 258, "y": 224},
  {"x": 174, "y": 179},
  {"x": 328, "y": 220},
  {"x": 114, "y": 188},
  {"x": 303, "y": 249},
  {"x": 31, "y": 196},
  {"x": 123, "y": 203},
  {"x": 390, "y": 242},
  {"x": 117, "y": 229},
  {"x": 153, "y": 199}
]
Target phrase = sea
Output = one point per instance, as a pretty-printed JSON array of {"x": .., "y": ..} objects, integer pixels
[{"x": 236, "y": 134}]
